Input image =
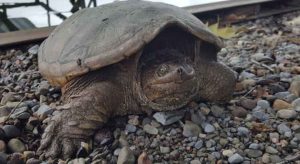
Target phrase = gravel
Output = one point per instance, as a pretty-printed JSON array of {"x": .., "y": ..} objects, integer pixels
[{"x": 259, "y": 124}]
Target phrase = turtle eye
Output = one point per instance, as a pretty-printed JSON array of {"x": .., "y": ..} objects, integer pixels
[{"x": 163, "y": 69}]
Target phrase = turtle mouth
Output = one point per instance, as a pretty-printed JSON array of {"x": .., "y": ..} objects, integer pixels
[{"x": 173, "y": 92}]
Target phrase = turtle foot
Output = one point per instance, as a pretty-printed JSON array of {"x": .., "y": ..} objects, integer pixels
[{"x": 61, "y": 139}]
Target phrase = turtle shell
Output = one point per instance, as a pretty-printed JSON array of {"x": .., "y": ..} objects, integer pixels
[{"x": 96, "y": 37}]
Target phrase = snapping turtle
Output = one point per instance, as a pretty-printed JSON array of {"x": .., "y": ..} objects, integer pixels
[{"x": 127, "y": 58}]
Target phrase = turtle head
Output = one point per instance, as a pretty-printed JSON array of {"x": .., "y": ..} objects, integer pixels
[{"x": 168, "y": 79}]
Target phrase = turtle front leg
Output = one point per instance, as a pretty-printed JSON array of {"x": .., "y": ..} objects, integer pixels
[{"x": 86, "y": 112}]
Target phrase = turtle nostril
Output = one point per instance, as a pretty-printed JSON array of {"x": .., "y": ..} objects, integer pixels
[{"x": 179, "y": 71}]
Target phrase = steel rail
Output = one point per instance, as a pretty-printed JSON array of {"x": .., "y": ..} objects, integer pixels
[{"x": 27, "y": 36}]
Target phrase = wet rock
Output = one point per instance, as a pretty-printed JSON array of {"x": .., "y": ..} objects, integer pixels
[
  {"x": 280, "y": 104},
  {"x": 126, "y": 156},
  {"x": 190, "y": 129},
  {"x": 11, "y": 131},
  {"x": 167, "y": 118},
  {"x": 235, "y": 158},
  {"x": 287, "y": 114},
  {"x": 15, "y": 145},
  {"x": 150, "y": 129}
]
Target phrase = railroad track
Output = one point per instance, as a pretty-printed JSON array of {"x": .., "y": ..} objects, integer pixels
[{"x": 227, "y": 12}]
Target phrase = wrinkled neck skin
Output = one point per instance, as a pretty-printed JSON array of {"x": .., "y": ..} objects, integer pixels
[{"x": 216, "y": 80}]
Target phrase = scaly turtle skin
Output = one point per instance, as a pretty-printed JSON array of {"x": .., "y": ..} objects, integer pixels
[{"x": 127, "y": 58}]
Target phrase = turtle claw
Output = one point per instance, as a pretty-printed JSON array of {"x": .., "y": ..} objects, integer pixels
[{"x": 56, "y": 143}]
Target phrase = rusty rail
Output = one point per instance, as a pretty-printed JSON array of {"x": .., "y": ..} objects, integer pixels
[{"x": 224, "y": 9}]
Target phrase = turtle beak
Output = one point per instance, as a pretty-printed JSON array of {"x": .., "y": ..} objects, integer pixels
[{"x": 185, "y": 72}]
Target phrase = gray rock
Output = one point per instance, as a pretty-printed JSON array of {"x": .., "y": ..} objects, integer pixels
[
  {"x": 242, "y": 131},
  {"x": 15, "y": 145},
  {"x": 296, "y": 105},
  {"x": 195, "y": 161},
  {"x": 150, "y": 129},
  {"x": 264, "y": 104},
  {"x": 254, "y": 146},
  {"x": 199, "y": 144},
  {"x": 265, "y": 158},
  {"x": 21, "y": 113},
  {"x": 253, "y": 153},
  {"x": 287, "y": 113},
  {"x": 260, "y": 114},
  {"x": 282, "y": 95},
  {"x": 191, "y": 129},
  {"x": 275, "y": 159},
  {"x": 117, "y": 151},
  {"x": 126, "y": 156},
  {"x": 11, "y": 131},
  {"x": 34, "y": 50},
  {"x": 77, "y": 161},
  {"x": 3, "y": 158},
  {"x": 197, "y": 116},
  {"x": 33, "y": 161},
  {"x": 248, "y": 103},
  {"x": 164, "y": 150},
  {"x": 274, "y": 137},
  {"x": 217, "y": 111},
  {"x": 235, "y": 158},
  {"x": 43, "y": 88},
  {"x": 283, "y": 128},
  {"x": 43, "y": 111},
  {"x": 130, "y": 128},
  {"x": 167, "y": 118},
  {"x": 208, "y": 128},
  {"x": 271, "y": 150}
]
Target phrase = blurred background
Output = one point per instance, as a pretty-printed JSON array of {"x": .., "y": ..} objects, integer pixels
[{"x": 27, "y": 14}]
